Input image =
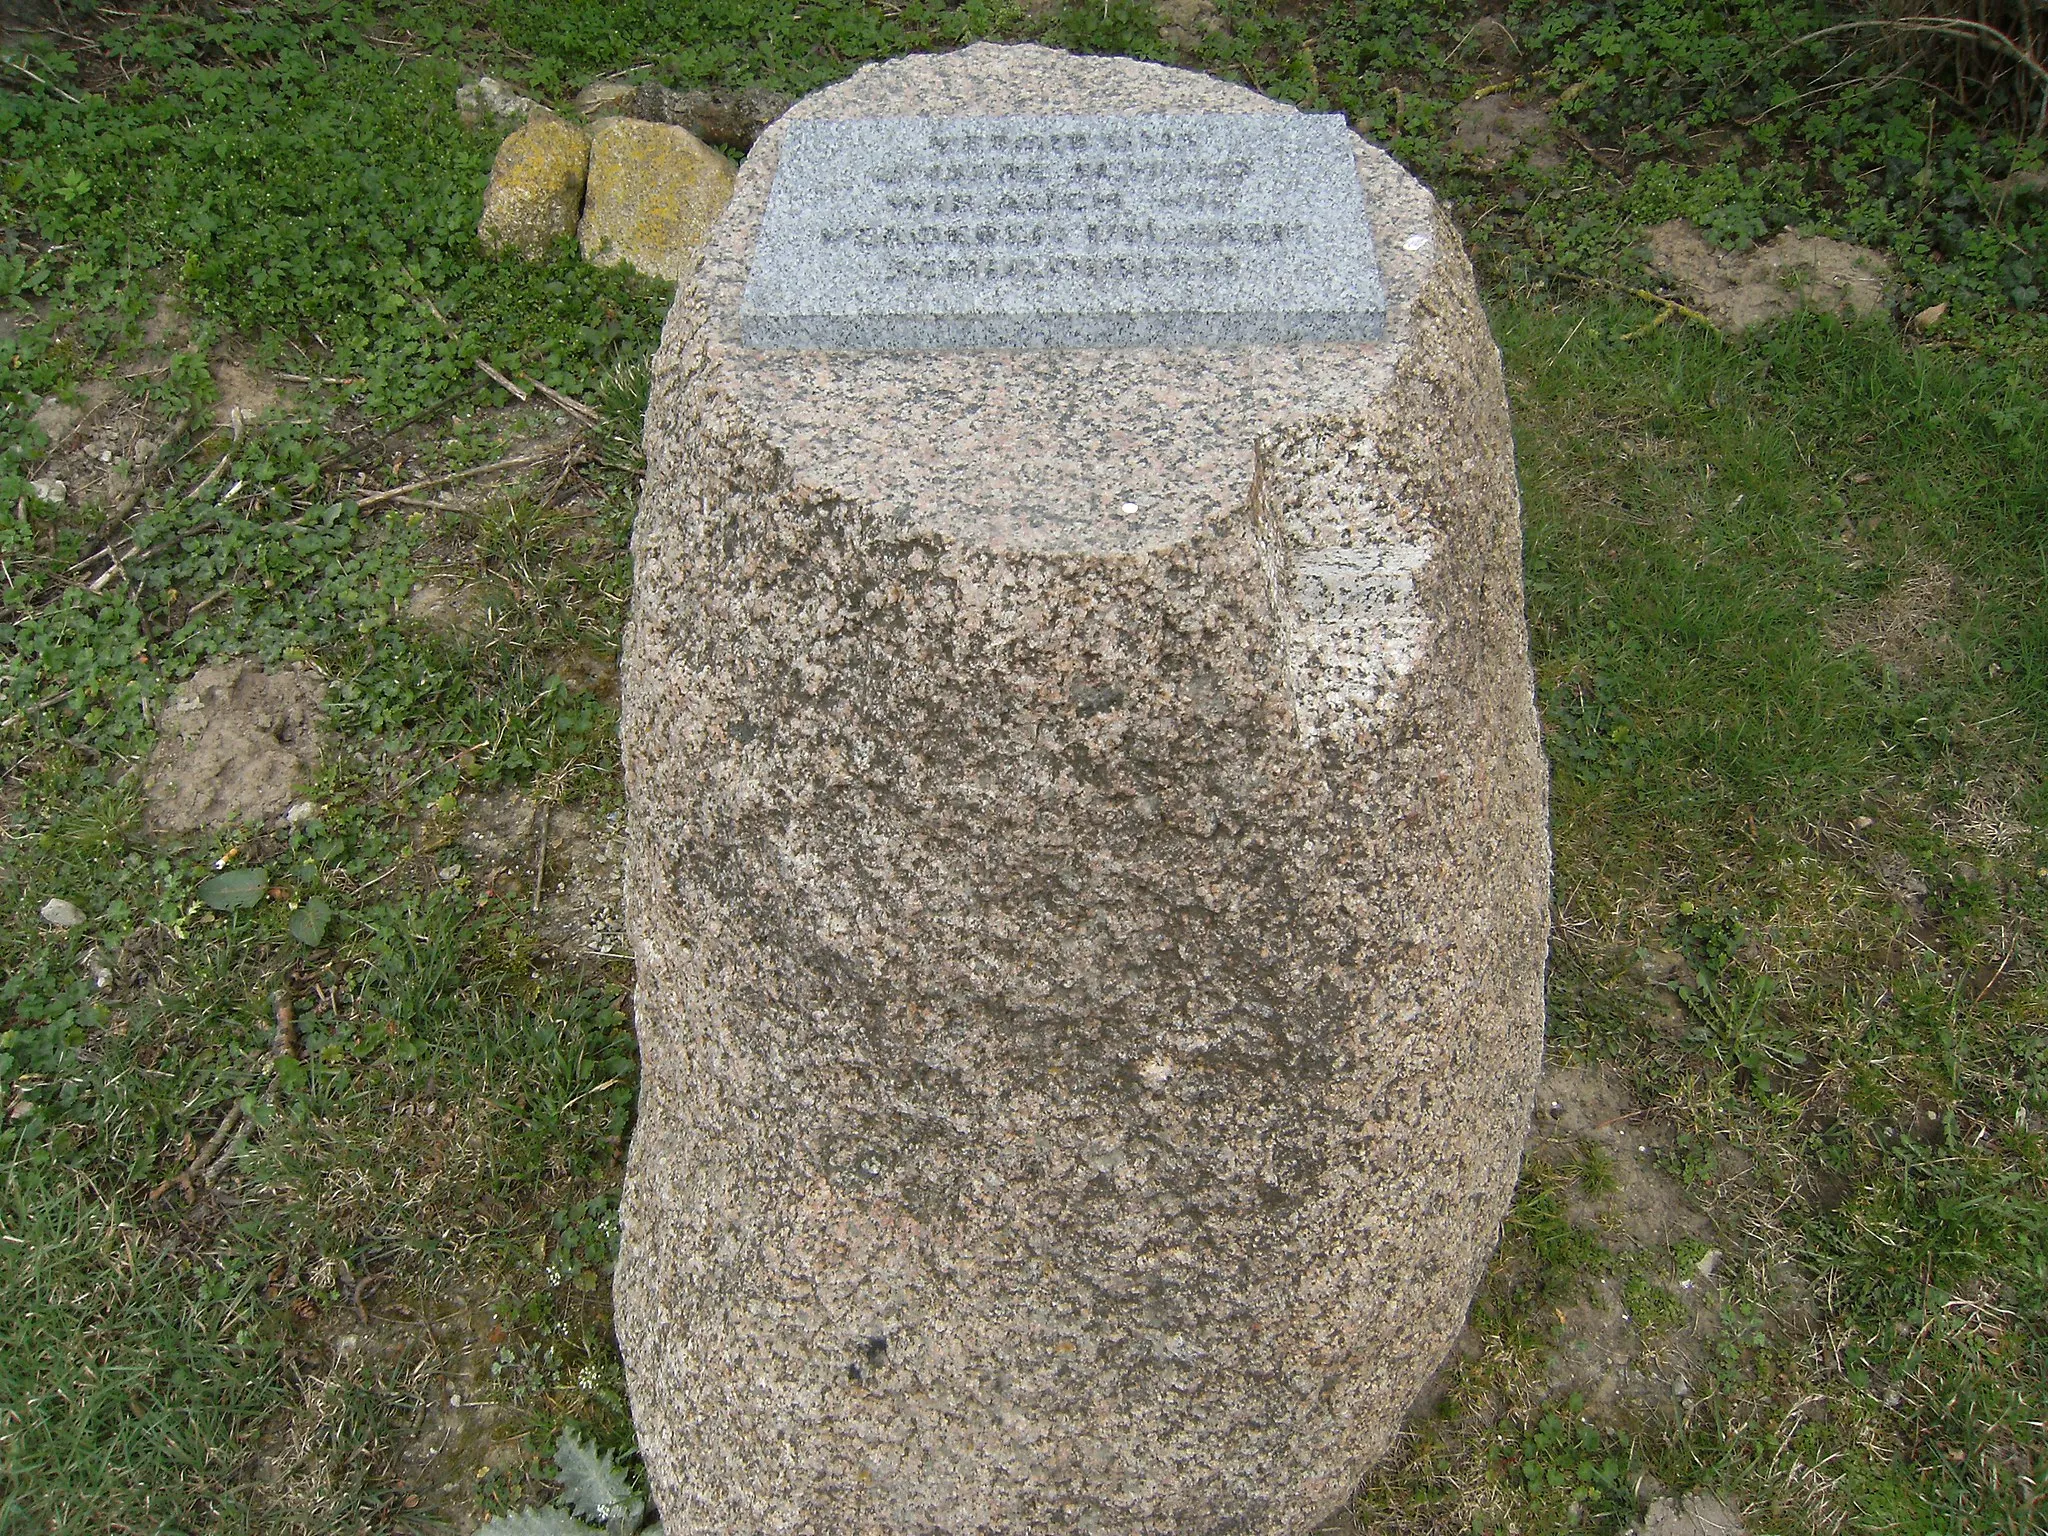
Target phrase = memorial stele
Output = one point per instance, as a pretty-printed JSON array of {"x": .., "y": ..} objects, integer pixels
[{"x": 1087, "y": 866}]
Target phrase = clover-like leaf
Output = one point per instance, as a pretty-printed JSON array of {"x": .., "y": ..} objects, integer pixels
[
  {"x": 309, "y": 923},
  {"x": 234, "y": 888}
]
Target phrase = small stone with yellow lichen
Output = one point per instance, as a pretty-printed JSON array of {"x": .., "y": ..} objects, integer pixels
[
  {"x": 536, "y": 188},
  {"x": 655, "y": 192}
]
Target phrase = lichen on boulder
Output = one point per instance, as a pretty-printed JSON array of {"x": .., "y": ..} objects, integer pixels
[
  {"x": 654, "y": 193},
  {"x": 536, "y": 190}
]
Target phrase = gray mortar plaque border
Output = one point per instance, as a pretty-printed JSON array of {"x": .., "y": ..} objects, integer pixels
[{"x": 1085, "y": 230}]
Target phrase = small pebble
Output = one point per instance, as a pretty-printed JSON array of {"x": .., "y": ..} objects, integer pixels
[
  {"x": 300, "y": 812},
  {"x": 51, "y": 493},
  {"x": 59, "y": 913}
]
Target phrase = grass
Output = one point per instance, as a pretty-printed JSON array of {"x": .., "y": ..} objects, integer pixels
[{"x": 1787, "y": 601}]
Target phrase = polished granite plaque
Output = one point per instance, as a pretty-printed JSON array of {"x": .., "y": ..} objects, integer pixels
[{"x": 1099, "y": 230}]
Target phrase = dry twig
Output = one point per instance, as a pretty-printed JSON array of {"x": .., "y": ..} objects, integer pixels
[
  {"x": 501, "y": 381},
  {"x": 516, "y": 461},
  {"x": 233, "y": 1132}
]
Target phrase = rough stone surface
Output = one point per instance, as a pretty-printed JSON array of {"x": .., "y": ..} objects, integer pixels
[
  {"x": 485, "y": 98},
  {"x": 59, "y": 913},
  {"x": 654, "y": 192},
  {"x": 601, "y": 98},
  {"x": 729, "y": 119},
  {"x": 1778, "y": 278},
  {"x": 1102, "y": 229},
  {"x": 536, "y": 188},
  {"x": 232, "y": 745},
  {"x": 1088, "y": 882}
]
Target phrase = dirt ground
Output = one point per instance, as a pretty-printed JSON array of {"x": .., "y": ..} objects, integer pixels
[
  {"x": 510, "y": 845},
  {"x": 236, "y": 743},
  {"x": 1494, "y": 129},
  {"x": 1788, "y": 273},
  {"x": 1619, "y": 1365}
]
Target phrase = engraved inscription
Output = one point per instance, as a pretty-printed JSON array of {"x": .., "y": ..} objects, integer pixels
[{"x": 1103, "y": 230}]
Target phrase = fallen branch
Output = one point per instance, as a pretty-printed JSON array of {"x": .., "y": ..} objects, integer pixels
[
  {"x": 569, "y": 403},
  {"x": 196, "y": 1169},
  {"x": 212, "y": 475},
  {"x": 1643, "y": 330},
  {"x": 39, "y": 80},
  {"x": 516, "y": 461},
  {"x": 1673, "y": 307},
  {"x": 570, "y": 462},
  {"x": 236, "y": 1126},
  {"x": 573, "y": 406},
  {"x": 1670, "y": 306},
  {"x": 501, "y": 381},
  {"x": 540, "y": 858}
]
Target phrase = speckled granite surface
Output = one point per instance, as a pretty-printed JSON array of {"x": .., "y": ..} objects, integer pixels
[{"x": 1088, "y": 879}]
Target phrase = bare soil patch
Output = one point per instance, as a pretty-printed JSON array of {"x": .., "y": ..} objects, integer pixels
[
  {"x": 1620, "y": 1362},
  {"x": 514, "y": 845},
  {"x": 245, "y": 395},
  {"x": 1791, "y": 272},
  {"x": 1493, "y": 129},
  {"x": 461, "y": 609},
  {"x": 236, "y": 741},
  {"x": 1697, "y": 1514},
  {"x": 1907, "y": 628},
  {"x": 435, "y": 1353}
]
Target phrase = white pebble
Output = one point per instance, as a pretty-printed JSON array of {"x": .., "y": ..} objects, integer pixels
[
  {"x": 1416, "y": 241},
  {"x": 301, "y": 811},
  {"x": 51, "y": 493},
  {"x": 59, "y": 913}
]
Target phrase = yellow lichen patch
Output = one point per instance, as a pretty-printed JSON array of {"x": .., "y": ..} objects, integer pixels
[
  {"x": 654, "y": 193},
  {"x": 536, "y": 189}
]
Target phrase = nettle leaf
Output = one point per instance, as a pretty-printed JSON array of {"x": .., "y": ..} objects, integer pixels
[
  {"x": 309, "y": 923},
  {"x": 595, "y": 1488},
  {"x": 534, "y": 1522},
  {"x": 234, "y": 889}
]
